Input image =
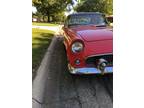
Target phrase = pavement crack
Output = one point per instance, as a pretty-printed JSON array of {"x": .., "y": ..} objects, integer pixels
[
  {"x": 78, "y": 97},
  {"x": 37, "y": 101},
  {"x": 94, "y": 90},
  {"x": 62, "y": 100},
  {"x": 78, "y": 100},
  {"x": 105, "y": 82}
]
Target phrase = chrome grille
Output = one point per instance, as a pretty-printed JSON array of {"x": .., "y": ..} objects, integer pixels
[{"x": 91, "y": 61}]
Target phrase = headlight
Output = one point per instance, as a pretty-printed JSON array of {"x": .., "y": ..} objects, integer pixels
[{"x": 77, "y": 47}]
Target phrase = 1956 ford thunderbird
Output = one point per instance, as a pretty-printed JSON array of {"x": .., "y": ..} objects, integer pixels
[{"x": 88, "y": 41}]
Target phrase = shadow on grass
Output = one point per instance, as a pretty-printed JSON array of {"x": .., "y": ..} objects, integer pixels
[{"x": 39, "y": 47}]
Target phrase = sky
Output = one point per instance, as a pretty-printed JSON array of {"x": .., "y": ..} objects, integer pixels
[
  {"x": 70, "y": 12},
  {"x": 34, "y": 9}
]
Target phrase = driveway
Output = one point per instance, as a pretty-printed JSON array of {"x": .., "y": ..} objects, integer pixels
[{"x": 54, "y": 87}]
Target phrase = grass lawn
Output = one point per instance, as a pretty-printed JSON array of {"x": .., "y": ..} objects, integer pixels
[
  {"x": 40, "y": 41},
  {"x": 44, "y": 24}
]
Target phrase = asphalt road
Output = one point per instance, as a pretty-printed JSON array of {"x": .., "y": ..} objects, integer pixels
[{"x": 63, "y": 90}]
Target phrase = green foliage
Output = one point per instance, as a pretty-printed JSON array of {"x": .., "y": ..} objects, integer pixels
[
  {"x": 44, "y": 24},
  {"x": 40, "y": 41},
  {"x": 104, "y": 6},
  {"x": 59, "y": 17},
  {"x": 51, "y": 8}
]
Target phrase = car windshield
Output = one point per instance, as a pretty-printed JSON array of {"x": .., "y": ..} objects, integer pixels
[{"x": 86, "y": 19}]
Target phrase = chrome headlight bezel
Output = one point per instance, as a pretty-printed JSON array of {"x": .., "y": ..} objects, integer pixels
[{"x": 77, "y": 47}]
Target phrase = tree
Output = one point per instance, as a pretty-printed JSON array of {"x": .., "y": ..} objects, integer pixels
[
  {"x": 104, "y": 6},
  {"x": 51, "y": 8}
]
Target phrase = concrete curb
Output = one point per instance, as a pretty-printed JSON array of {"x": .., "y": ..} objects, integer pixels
[{"x": 40, "y": 79}]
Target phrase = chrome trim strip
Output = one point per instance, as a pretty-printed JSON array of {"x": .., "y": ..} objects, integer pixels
[{"x": 99, "y": 55}]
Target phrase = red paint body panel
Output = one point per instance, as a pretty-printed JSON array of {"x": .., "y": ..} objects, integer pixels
[
  {"x": 96, "y": 40},
  {"x": 93, "y": 33}
]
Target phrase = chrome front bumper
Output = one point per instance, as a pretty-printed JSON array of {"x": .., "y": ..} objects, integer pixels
[{"x": 90, "y": 70}]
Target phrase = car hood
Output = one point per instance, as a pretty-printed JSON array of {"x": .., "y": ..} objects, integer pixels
[{"x": 93, "y": 33}]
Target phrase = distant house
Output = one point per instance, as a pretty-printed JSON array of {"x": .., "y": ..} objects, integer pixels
[{"x": 34, "y": 19}]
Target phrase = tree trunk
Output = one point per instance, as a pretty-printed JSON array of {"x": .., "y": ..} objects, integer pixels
[
  {"x": 48, "y": 15},
  {"x": 48, "y": 18},
  {"x": 43, "y": 18}
]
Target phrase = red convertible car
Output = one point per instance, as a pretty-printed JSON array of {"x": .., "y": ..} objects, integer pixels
[{"x": 88, "y": 41}]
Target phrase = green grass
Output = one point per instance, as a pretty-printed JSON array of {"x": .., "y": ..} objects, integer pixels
[
  {"x": 40, "y": 41},
  {"x": 44, "y": 24}
]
